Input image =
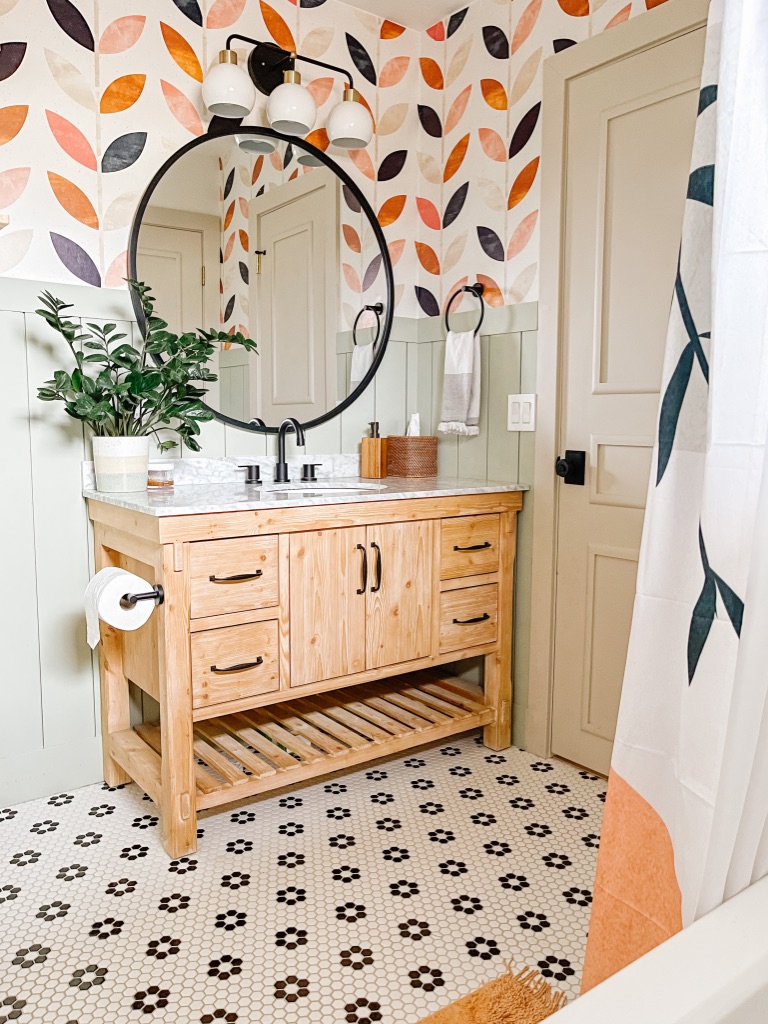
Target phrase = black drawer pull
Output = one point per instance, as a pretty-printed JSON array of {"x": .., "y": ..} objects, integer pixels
[
  {"x": 241, "y": 577},
  {"x": 466, "y": 622},
  {"x": 237, "y": 668},
  {"x": 474, "y": 547},
  {"x": 362, "y": 589}
]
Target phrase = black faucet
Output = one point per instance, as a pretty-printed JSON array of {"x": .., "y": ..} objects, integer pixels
[
  {"x": 257, "y": 421},
  {"x": 281, "y": 469}
]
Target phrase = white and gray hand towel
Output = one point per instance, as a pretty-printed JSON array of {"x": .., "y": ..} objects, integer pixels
[
  {"x": 362, "y": 357},
  {"x": 460, "y": 412}
]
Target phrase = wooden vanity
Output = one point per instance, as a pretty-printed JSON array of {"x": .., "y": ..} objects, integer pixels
[{"x": 302, "y": 639}]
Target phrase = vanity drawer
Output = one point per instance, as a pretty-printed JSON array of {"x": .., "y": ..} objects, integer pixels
[
  {"x": 469, "y": 546},
  {"x": 468, "y": 617},
  {"x": 232, "y": 575},
  {"x": 234, "y": 662}
]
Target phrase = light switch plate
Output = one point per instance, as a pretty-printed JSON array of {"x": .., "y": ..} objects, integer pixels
[{"x": 521, "y": 412}]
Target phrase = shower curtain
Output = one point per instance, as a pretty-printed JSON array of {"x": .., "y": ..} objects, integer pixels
[{"x": 687, "y": 806}]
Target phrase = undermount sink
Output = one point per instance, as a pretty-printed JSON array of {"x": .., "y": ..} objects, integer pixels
[{"x": 324, "y": 487}]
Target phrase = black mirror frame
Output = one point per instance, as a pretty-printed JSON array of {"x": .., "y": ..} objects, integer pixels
[{"x": 366, "y": 208}]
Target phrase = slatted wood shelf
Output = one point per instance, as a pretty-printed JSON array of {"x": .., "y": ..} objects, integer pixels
[{"x": 252, "y": 752}]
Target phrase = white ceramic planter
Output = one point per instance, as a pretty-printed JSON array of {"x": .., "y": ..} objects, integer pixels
[{"x": 121, "y": 463}]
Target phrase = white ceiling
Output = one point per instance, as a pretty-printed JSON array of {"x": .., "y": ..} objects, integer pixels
[{"x": 420, "y": 14}]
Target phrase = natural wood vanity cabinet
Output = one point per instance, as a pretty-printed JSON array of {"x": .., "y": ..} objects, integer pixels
[{"x": 295, "y": 641}]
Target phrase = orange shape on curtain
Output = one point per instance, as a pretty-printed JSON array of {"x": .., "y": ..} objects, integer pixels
[{"x": 637, "y": 900}]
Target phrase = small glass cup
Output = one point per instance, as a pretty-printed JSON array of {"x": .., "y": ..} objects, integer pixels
[{"x": 160, "y": 474}]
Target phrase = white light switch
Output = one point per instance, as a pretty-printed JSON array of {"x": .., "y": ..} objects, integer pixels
[{"x": 521, "y": 412}]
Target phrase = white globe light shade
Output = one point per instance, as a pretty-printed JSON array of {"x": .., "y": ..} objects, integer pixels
[
  {"x": 350, "y": 125},
  {"x": 290, "y": 108},
  {"x": 227, "y": 89},
  {"x": 255, "y": 144},
  {"x": 309, "y": 160}
]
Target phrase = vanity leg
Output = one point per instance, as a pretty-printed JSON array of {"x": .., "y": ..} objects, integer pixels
[
  {"x": 498, "y": 666},
  {"x": 115, "y": 705},
  {"x": 179, "y": 812}
]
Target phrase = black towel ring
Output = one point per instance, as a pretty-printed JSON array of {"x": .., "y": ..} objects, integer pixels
[
  {"x": 377, "y": 309},
  {"x": 473, "y": 289}
]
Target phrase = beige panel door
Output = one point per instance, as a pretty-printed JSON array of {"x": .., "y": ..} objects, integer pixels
[
  {"x": 295, "y": 298},
  {"x": 400, "y": 593},
  {"x": 171, "y": 260},
  {"x": 327, "y": 612},
  {"x": 629, "y": 137}
]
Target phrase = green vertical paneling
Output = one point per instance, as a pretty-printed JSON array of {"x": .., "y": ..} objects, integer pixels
[
  {"x": 473, "y": 451},
  {"x": 447, "y": 449},
  {"x": 390, "y": 389},
  {"x": 523, "y": 578},
  {"x": 503, "y": 445},
  {"x": 325, "y": 439}
]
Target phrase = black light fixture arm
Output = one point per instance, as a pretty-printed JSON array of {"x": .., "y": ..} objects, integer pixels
[{"x": 290, "y": 57}]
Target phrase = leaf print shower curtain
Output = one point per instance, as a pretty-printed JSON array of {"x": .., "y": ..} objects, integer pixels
[{"x": 686, "y": 821}]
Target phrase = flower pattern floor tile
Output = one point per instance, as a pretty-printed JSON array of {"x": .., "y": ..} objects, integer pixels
[{"x": 375, "y": 896}]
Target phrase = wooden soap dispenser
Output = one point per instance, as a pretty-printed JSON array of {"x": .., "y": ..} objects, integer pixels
[{"x": 373, "y": 455}]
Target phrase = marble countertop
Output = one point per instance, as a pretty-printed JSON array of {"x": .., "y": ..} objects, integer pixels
[{"x": 207, "y": 497}]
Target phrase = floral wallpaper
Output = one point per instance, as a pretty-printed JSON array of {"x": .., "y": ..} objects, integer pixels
[{"x": 94, "y": 99}]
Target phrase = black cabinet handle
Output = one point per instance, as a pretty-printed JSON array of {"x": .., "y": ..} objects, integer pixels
[
  {"x": 466, "y": 622},
  {"x": 241, "y": 577},
  {"x": 474, "y": 547},
  {"x": 361, "y": 589},
  {"x": 377, "y": 586},
  {"x": 237, "y": 668}
]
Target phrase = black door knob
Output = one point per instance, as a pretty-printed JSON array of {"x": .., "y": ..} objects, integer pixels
[{"x": 571, "y": 467}]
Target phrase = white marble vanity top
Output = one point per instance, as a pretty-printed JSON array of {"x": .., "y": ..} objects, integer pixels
[{"x": 226, "y": 496}]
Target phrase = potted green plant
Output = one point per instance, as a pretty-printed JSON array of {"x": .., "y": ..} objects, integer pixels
[{"x": 127, "y": 394}]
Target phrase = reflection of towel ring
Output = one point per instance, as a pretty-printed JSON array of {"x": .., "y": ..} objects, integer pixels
[
  {"x": 473, "y": 289},
  {"x": 377, "y": 308}
]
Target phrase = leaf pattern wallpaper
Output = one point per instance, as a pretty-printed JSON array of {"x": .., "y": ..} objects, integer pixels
[{"x": 95, "y": 99}]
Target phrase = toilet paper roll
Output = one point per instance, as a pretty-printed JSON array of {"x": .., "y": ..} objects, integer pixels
[{"x": 102, "y": 601}]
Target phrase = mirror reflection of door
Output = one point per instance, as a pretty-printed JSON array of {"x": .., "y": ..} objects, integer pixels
[{"x": 294, "y": 295}]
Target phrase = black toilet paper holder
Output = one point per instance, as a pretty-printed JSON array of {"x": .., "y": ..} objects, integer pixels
[{"x": 157, "y": 594}]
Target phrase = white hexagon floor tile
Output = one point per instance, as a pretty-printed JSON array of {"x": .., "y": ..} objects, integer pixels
[{"x": 376, "y": 896}]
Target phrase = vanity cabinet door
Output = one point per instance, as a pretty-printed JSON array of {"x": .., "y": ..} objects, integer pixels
[
  {"x": 327, "y": 612},
  {"x": 399, "y": 593}
]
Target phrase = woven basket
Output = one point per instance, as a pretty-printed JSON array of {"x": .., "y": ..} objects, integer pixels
[{"x": 412, "y": 456}]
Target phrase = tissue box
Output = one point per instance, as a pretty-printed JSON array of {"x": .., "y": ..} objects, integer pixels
[{"x": 412, "y": 456}]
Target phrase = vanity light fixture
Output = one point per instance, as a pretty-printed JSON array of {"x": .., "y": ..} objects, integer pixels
[{"x": 230, "y": 91}]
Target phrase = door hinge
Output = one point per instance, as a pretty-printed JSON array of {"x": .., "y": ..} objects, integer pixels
[
  {"x": 202, "y": 276},
  {"x": 258, "y": 253}
]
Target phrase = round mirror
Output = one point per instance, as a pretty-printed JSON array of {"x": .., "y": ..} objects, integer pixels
[{"x": 243, "y": 231}]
